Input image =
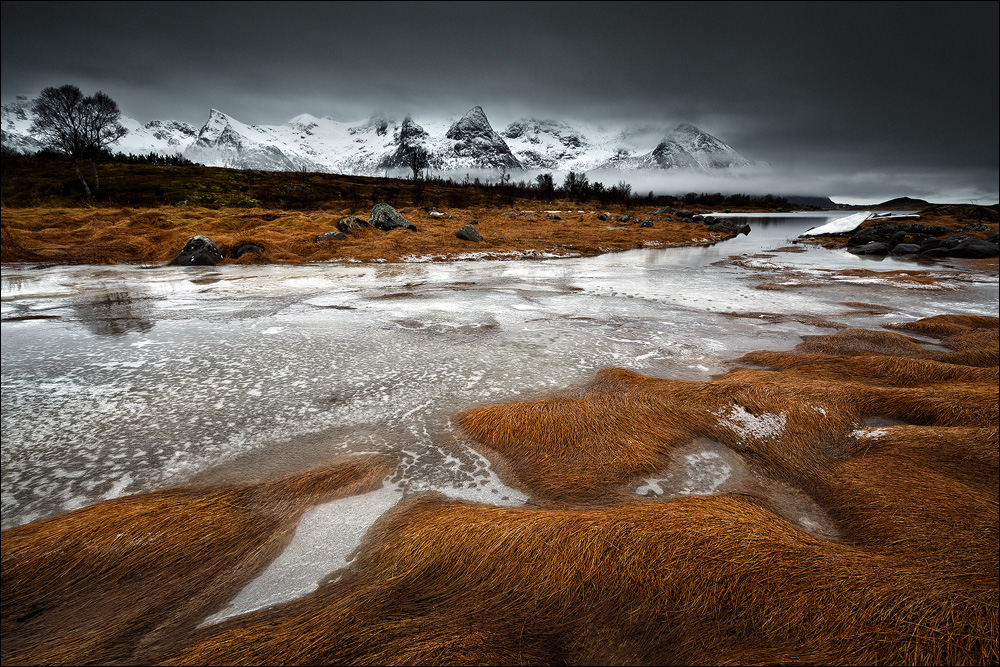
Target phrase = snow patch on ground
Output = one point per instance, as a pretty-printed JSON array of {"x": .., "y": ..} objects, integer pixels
[
  {"x": 747, "y": 425},
  {"x": 839, "y": 226}
]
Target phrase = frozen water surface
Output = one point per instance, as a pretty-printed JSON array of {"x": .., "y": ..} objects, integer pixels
[
  {"x": 323, "y": 541},
  {"x": 118, "y": 380}
]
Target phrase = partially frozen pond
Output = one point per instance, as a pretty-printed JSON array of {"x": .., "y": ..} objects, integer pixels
[
  {"x": 122, "y": 379},
  {"x": 125, "y": 379}
]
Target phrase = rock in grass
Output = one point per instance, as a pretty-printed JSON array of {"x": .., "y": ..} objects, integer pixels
[
  {"x": 385, "y": 217},
  {"x": 198, "y": 251},
  {"x": 873, "y": 248},
  {"x": 469, "y": 233},
  {"x": 244, "y": 248},
  {"x": 350, "y": 223},
  {"x": 331, "y": 236}
]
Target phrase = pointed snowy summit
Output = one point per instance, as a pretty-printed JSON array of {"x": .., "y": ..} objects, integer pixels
[
  {"x": 697, "y": 148},
  {"x": 477, "y": 143}
]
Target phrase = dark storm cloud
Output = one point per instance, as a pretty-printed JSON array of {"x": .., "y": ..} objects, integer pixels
[{"x": 813, "y": 88}]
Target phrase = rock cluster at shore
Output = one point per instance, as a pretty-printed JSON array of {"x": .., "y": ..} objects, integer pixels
[
  {"x": 944, "y": 231},
  {"x": 383, "y": 235},
  {"x": 923, "y": 240}
]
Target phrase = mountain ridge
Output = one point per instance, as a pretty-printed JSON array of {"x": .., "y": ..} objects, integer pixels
[{"x": 378, "y": 145}]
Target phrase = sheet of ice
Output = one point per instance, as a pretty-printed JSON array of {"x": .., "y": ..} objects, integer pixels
[
  {"x": 845, "y": 224},
  {"x": 869, "y": 433},
  {"x": 701, "y": 473},
  {"x": 897, "y": 216},
  {"x": 707, "y": 468},
  {"x": 324, "y": 540}
]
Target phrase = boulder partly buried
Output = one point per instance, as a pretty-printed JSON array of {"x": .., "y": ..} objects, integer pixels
[
  {"x": 385, "y": 217},
  {"x": 975, "y": 249},
  {"x": 350, "y": 223},
  {"x": 468, "y": 233},
  {"x": 246, "y": 248},
  {"x": 198, "y": 251},
  {"x": 331, "y": 236}
]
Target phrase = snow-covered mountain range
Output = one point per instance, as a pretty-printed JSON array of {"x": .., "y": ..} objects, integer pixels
[{"x": 380, "y": 145}]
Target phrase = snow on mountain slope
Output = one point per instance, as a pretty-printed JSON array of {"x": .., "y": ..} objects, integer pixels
[
  {"x": 564, "y": 146},
  {"x": 164, "y": 137},
  {"x": 685, "y": 147},
  {"x": 15, "y": 121},
  {"x": 375, "y": 146}
]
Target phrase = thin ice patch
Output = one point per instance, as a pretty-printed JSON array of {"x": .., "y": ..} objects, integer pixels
[
  {"x": 326, "y": 536},
  {"x": 701, "y": 474}
]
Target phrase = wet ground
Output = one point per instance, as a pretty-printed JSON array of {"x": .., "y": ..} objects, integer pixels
[{"x": 123, "y": 379}]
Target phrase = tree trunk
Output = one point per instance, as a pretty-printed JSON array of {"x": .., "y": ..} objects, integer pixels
[
  {"x": 97, "y": 181},
  {"x": 76, "y": 163}
]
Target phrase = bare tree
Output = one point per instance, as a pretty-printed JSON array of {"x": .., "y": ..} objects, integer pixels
[
  {"x": 415, "y": 157},
  {"x": 546, "y": 186},
  {"x": 81, "y": 127},
  {"x": 576, "y": 185}
]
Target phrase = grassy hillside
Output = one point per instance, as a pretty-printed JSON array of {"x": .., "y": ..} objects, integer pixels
[{"x": 50, "y": 181}]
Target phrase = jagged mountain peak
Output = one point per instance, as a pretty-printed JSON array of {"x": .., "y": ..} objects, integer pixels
[
  {"x": 305, "y": 120},
  {"x": 474, "y": 122},
  {"x": 216, "y": 116},
  {"x": 410, "y": 129},
  {"x": 685, "y": 129},
  {"x": 478, "y": 144},
  {"x": 687, "y": 146},
  {"x": 476, "y": 114}
]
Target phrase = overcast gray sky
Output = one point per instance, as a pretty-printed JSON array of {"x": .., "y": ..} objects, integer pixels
[{"x": 856, "y": 101}]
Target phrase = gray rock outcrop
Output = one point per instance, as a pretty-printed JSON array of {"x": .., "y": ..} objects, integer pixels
[
  {"x": 469, "y": 233},
  {"x": 198, "y": 251},
  {"x": 330, "y": 236},
  {"x": 386, "y": 218}
]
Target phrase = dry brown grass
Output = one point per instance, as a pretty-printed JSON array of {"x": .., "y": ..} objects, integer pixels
[
  {"x": 695, "y": 581},
  {"x": 103, "y": 235},
  {"x": 100, "y": 583},
  {"x": 590, "y": 572}
]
